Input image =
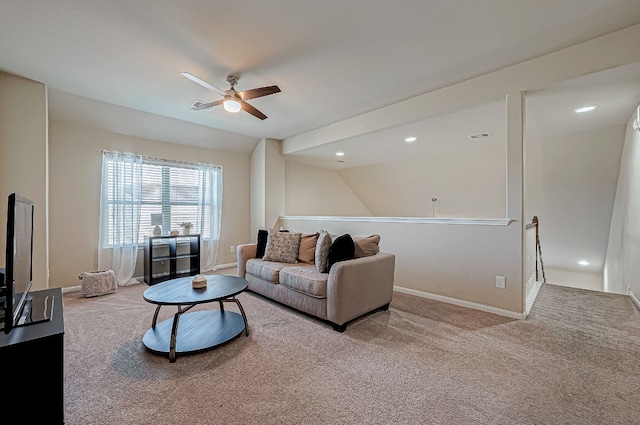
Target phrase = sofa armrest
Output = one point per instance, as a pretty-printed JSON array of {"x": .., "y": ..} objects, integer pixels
[
  {"x": 358, "y": 286},
  {"x": 243, "y": 253}
]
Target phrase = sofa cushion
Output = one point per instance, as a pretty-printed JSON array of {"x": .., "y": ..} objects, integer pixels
[
  {"x": 366, "y": 245},
  {"x": 282, "y": 247},
  {"x": 341, "y": 249},
  {"x": 305, "y": 279},
  {"x": 265, "y": 270},
  {"x": 322, "y": 251}
]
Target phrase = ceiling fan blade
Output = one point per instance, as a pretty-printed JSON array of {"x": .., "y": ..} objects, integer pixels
[
  {"x": 253, "y": 111},
  {"x": 199, "y": 106},
  {"x": 259, "y": 92},
  {"x": 202, "y": 82}
]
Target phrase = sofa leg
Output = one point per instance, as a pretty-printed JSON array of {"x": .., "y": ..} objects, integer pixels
[
  {"x": 339, "y": 328},
  {"x": 385, "y": 307}
]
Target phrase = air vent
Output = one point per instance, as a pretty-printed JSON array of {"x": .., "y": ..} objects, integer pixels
[{"x": 479, "y": 136}]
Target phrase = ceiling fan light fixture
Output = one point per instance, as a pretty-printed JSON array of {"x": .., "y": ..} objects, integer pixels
[
  {"x": 231, "y": 104},
  {"x": 232, "y": 100}
]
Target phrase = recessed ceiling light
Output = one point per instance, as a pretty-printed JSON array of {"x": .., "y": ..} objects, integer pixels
[
  {"x": 339, "y": 153},
  {"x": 583, "y": 262},
  {"x": 583, "y": 109},
  {"x": 410, "y": 139}
]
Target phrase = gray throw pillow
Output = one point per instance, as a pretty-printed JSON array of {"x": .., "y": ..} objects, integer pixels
[
  {"x": 282, "y": 247},
  {"x": 322, "y": 251}
]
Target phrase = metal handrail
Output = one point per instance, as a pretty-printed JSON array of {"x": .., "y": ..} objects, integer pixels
[{"x": 536, "y": 223}]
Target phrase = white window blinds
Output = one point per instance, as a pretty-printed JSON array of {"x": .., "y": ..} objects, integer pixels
[
  {"x": 175, "y": 192},
  {"x": 181, "y": 192}
]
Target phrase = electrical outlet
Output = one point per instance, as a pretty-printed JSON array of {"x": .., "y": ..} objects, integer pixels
[
  {"x": 501, "y": 282},
  {"x": 232, "y": 248}
]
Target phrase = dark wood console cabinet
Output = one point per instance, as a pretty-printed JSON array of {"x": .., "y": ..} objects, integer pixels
[
  {"x": 169, "y": 257},
  {"x": 35, "y": 352}
]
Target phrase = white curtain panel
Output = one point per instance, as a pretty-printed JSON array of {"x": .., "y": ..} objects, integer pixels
[
  {"x": 209, "y": 212},
  {"x": 120, "y": 214}
]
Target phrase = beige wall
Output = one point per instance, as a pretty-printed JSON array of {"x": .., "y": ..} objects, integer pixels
[
  {"x": 23, "y": 161},
  {"x": 450, "y": 259},
  {"x": 319, "y": 191},
  {"x": 459, "y": 261},
  {"x": 571, "y": 185},
  {"x": 75, "y": 173},
  {"x": 467, "y": 183},
  {"x": 267, "y": 186},
  {"x": 622, "y": 268},
  {"x": 274, "y": 183},
  {"x": 258, "y": 189},
  {"x": 575, "y": 279}
]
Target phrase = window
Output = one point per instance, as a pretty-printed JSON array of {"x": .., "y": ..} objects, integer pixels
[
  {"x": 176, "y": 192},
  {"x": 181, "y": 192},
  {"x": 134, "y": 187}
]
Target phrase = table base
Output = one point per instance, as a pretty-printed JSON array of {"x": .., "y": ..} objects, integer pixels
[{"x": 200, "y": 330}]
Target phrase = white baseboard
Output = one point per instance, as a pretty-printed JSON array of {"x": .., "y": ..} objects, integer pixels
[
  {"x": 71, "y": 289},
  {"x": 532, "y": 297},
  {"x": 224, "y": 266},
  {"x": 461, "y": 303},
  {"x": 635, "y": 299},
  {"x": 140, "y": 279}
]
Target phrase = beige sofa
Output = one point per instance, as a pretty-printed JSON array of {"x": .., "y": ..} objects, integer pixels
[{"x": 351, "y": 289}]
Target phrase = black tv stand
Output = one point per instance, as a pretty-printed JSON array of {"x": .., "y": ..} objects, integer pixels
[
  {"x": 44, "y": 376},
  {"x": 38, "y": 308}
]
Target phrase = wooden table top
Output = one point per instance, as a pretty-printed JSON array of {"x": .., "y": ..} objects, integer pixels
[{"x": 180, "y": 291}]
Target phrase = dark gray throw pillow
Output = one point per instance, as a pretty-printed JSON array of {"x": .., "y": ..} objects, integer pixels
[
  {"x": 263, "y": 235},
  {"x": 342, "y": 248}
]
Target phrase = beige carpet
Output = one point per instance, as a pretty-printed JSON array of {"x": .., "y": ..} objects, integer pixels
[{"x": 576, "y": 360}]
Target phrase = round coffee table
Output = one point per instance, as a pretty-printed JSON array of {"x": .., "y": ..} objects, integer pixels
[{"x": 199, "y": 330}]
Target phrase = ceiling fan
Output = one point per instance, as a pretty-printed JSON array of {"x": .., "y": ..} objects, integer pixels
[{"x": 232, "y": 101}]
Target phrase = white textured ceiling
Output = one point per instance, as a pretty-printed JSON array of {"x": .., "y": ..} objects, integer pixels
[
  {"x": 549, "y": 111},
  {"x": 332, "y": 59}
]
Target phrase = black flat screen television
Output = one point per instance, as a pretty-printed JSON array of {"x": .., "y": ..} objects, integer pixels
[{"x": 19, "y": 263}]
